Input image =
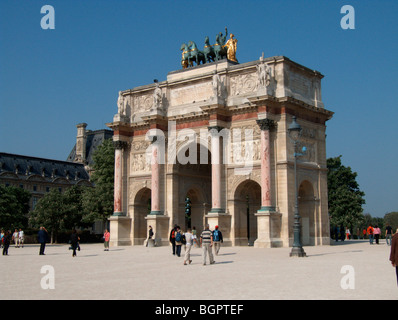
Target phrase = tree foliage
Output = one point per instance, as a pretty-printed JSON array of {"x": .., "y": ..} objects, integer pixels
[
  {"x": 14, "y": 207},
  {"x": 345, "y": 197},
  {"x": 49, "y": 212},
  {"x": 98, "y": 201},
  {"x": 391, "y": 218}
]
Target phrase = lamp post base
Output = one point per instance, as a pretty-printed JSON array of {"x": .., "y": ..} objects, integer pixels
[{"x": 297, "y": 252}]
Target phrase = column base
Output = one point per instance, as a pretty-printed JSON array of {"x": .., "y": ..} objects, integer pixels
[
  {"x": 156, "y": 213},
  {"x": 217, "y": 210},
  {"x": 118, "y": 214}
]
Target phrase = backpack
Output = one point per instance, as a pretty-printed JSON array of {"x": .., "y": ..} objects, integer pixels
[
  {"x": 173, "y": 235},
  {"x": 178, "y": 237},
  {"x": 216, "y": 235}
]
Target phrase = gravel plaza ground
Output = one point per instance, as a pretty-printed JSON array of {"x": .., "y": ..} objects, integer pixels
[{"x": 241, "y": 273}]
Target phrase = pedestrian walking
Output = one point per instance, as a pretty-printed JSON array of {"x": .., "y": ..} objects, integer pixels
[
  {"x": 194, "y": 237},
  {"x": 388, "y": 234},
  {"x": 74, "y": 241},
  {"x": 206, "y": 240},
  {"x": 150, "y": 235},
  {"x": 42, "y": 237},
  {"x": 6, "y": 242},
  {"x": 107, "y": 237},
  {"x": 342, "y": 233},
  {"x": 217, "y": 240},
  {"x": 377, "y": 232},
  {"x": 1, "y": 237},
  {"x": 336, "y": 233},
  {"x": 178, "y": 241},
  {"x": 394, "y": 253},
  {"x": 21, "y": 238},
  {"x": 15, "y": 237},
  {"x": 172, "y": 238},
  {"x": 188, "y": 246},
  {"x": 370, "y": 233}
]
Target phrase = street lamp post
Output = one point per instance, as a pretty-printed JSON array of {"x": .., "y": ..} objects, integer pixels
[{"x": 295, "y": 131}]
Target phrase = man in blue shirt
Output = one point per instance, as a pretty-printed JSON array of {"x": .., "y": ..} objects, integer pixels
[{"x": 217, "y": 240}]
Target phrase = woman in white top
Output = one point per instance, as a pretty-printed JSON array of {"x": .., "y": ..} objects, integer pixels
[
  {"x": 188, "y": 246},
  {"x": 15, "y": 236}
]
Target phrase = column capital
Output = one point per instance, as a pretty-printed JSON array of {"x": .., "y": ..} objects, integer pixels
[
  {"x": 158, "y": 137},
  {"x": 266, "y": 124},
  {"x": 120, "y": 145},
  {"x": 218, "y": 128}
]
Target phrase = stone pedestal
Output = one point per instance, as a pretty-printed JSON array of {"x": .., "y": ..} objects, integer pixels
[
  {"x": 268, "y": 229},
  {"x": 160, "y": 227},
  {"x": 120, "y": 227},
  {"x": 223, "y": 221}
]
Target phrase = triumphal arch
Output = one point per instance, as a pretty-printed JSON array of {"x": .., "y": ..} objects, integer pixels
[{"x": 217, "y": 134}]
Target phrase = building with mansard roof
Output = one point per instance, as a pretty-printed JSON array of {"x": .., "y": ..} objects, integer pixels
[{"x": 39, "y": 175}]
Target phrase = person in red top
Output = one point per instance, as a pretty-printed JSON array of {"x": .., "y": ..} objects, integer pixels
[
  {"x": 107, "y": 236},
  {"x": 370, "y": 233}
]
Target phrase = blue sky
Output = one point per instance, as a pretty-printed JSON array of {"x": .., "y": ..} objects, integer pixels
[{"x": 50, "y": 80}]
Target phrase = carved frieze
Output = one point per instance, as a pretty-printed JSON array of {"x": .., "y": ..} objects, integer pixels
[{"x": 243, "y": 84}]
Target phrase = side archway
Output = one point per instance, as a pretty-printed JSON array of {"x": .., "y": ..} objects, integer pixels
[
  {"x": 307, "y": 212},
  {"x": 247, "y": 201}
]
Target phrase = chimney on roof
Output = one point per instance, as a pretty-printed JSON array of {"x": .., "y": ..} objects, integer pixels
[{"x": 81, "y": 140}]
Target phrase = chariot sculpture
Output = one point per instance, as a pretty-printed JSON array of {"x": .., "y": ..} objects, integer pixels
[{"x": 220, "y": 50}]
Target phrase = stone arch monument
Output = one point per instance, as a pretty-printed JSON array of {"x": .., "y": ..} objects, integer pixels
[{"x": 238, "y": 161}]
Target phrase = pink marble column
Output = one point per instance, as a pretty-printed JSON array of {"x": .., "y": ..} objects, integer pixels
[
  {"x": 215, "y": 170},
  {"x": 266, "y": 199},
  {"x": 118, "y": 207},
  {"x": 155, "y": 191},
  {"x": 155, "y": 178}
]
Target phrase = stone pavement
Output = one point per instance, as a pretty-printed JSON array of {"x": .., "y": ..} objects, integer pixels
[{"x": 240, "y": 273}]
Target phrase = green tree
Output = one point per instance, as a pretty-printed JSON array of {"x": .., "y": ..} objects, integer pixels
[
  {"x": 345, "y": 197},
  {"x": 98, "y": 201},
  {"x": 391, "y": 218},
  {"x": 14, "y": 207},
  {"x": 74, "y": 209},
  {"x": 50, "y": 212}
]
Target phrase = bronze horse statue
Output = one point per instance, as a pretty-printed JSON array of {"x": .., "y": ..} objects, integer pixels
[
  {"x": 208, "y": 51},
  {"x": 219, "y": 49},
  {"x": 195, "y": 54},
  {"x": 185, "y": 56}
]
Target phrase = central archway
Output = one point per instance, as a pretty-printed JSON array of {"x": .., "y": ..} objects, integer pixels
[{"x": 194, "y": 182}]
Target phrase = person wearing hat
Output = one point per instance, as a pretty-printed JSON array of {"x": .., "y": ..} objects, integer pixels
[{"x": 217, "y": 240}]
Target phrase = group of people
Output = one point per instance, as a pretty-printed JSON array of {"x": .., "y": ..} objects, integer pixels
[
  {"x": 372, "y": 233},
  {"x": 208, "y": 240},
  {"x": 7, "y": 238},
  {"x": 42, "y": 238}
]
